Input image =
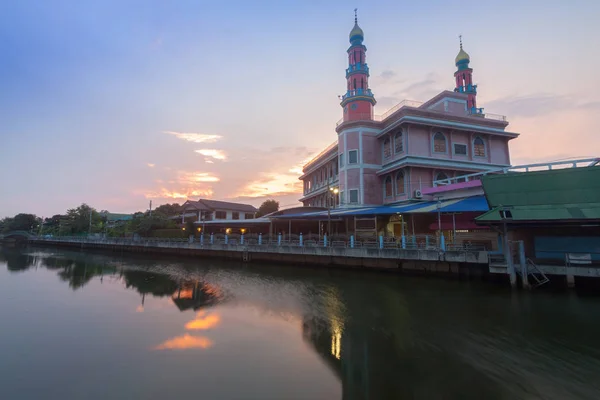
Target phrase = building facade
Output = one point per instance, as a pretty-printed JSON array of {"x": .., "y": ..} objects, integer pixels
[{"x": 390, "y": 158}]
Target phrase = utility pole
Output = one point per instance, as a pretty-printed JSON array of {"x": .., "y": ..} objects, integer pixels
[{"x": 150, "y": 207}]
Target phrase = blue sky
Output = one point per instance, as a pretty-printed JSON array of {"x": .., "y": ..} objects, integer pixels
[{"x": 97, "y": 96}]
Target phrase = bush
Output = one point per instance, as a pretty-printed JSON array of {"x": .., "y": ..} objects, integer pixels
[{"x": 168, "y": 233}]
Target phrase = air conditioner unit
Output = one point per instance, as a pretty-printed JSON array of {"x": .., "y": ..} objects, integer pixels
[{"x": 418, "y": 194}]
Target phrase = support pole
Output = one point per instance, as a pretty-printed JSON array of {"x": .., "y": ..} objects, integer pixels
[
  {"x": 403, "y": 241},
  {"x": 242, "y": 239},
  {"x": 523, "y": 262},
  {"x": 381, "y": 241},
  {"x": 509, "y": 261},
  {"x": 259, "y": 239},
  {"x": 352, "y": 241},
  {"x": 279, "y": 239},
  {"x": 300, "y": 240}
]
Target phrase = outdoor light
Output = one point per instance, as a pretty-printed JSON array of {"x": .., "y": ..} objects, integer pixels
[
  {"x": 183, "y": 229},
  {"x": 243, "y": 230},
  {"x": 199, "y": 229}
]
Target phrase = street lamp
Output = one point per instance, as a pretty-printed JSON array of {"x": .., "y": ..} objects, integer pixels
[{"x": 330, "y": 196}]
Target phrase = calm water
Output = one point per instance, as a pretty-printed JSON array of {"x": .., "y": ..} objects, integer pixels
[{"x": 92, "y": 326}]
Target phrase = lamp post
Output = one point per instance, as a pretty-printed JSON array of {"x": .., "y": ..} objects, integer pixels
[{"x": 331, "y": 193}]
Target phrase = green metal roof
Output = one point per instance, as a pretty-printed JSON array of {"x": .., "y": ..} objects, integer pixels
[{"x": 570, "y": 194}]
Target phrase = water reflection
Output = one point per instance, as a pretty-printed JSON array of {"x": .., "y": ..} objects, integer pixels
[{"x": 383, "y": 337}]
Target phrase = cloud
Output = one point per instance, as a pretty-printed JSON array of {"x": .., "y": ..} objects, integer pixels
[
  {"x": 182, "y": 193},
  {"x": 186, "y": 341},
  {"x": 387, "y": 74},
  {"x": 203, "y": 322},
  {"x": 538, "y": 104},
  {"x": 195, "y": 137},
  {"x": 151, "y": 165},
  {"x": 186, "y": 177},
  {"x": 212, "y": 153},
  {"x": 272, "y": 184}
]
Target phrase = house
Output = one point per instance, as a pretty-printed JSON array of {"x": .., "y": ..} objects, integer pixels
[{"x": 212, "y": 210}]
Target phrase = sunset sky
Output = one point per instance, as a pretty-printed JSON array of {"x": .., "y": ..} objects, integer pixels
[{"x": 115, "y": 102}]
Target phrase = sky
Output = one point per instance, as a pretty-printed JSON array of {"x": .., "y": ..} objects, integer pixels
[{"x": 116, "y": 103}]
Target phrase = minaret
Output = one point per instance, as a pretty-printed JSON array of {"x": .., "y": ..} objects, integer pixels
[
  {"x": 464, "y": 79},
  {"x": 358, "y": 101}
]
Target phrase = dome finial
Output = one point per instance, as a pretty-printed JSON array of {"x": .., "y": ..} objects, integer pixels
[
  {"x": 356, "y": 16},
  {"x": 462, "y": 57},
  {"x": 460, "y": 40}
]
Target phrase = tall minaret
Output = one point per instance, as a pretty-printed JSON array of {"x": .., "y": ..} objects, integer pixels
[
  {"x": 358, "y": 101},
  {"x": 464, "y": 78}
]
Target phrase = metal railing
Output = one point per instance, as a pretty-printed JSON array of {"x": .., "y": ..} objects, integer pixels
[
  {"x": 412, "y": 242},
  {"x": 320, "y": 155},
  {"x": 547, "y": 166}
]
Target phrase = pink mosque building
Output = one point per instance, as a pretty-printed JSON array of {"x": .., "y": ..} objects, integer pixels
[{"x": 398, "y": 156}]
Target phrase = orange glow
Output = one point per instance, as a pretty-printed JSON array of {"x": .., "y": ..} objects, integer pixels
[
  {"x": 139, "y": 308},
  {"x": 243, "y": 230},
  {"x": 186, "y": 341},
  {"x": 179, "y": 194},
  {"x": 272, "y": 184},
  {"x": 203, "y": 322}
]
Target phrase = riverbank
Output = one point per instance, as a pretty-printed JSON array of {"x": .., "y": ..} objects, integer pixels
[{"x": 449, "y": 264}]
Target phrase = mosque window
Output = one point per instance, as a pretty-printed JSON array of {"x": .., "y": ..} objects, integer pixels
[
  {"x": 460, "y": 149},
  {"x": 400, "y": 183},
  {"x": 479, "y": 147},
  {"x": 439, "y": 143},
  {"x": 388, "y": 186},
  {"x": 353, "y": 157},
  {"x": 398, "y": 143},
  {"x": 353, "y": 195},
  {"x": 342, "y": 160},
  {"x": 387, "y": 148}
]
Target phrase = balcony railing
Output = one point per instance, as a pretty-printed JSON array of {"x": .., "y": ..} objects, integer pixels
[
  {"x": 357, "y": 68},
  {"x": 478, "y": 112},
  {"x": 577, "y": 163},
  {"x": 319, "y": 156},
  {"x": 356, "y": 93},
  {"x": 466, "y": 89},
  {"x": 327, "y": 182}
]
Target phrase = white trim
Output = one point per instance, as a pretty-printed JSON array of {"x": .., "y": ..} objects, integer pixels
[
  {"x": 346, "y": 168},
  {"x": 431, "y": 162},
  {"x": 446, "y": 124},
  {"x": 367, "y": 166}
]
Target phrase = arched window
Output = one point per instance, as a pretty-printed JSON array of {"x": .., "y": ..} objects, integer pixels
[
  {"x": 388, "y": 187},
  {"x": 398, "y": 143},
  {"x": 439, "y": 143},
  {"x": 362, "y": 82},
  {"x": 440, "y": 176},
  {"x": 479, "y": 147},
  {"x": 387, "y": 148},
  {"x": 354, "y": 83},
  {"x": 400, "y": 183}
]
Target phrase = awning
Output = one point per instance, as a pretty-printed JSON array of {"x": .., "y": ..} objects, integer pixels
[{"x": 469, "y": 204}]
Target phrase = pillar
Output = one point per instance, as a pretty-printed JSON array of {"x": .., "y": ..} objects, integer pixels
[
  {"x": 300, "y": 239},
  {"x": 352, "y": 241},
  {"x": 523, "y": 262},
  {"x": 259, "y": 239}
]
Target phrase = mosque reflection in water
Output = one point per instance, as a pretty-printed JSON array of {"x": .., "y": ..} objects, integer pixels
[{"x": 371, "y": 348}]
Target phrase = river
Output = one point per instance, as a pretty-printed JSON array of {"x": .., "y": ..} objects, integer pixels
[{"x": 78, "y": 325}]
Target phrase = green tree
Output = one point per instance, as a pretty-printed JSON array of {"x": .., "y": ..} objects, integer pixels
[
  {"x": 267, "y": 207},
  {"x": 24, "y": 222},
  {"x": 79, "y": 220},
  {"x": 169, "y": 210}
]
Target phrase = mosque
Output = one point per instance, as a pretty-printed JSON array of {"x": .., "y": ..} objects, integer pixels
[{"x": 413, "y": 147}]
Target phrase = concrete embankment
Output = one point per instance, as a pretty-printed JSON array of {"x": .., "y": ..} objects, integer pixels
[{"x": 431, "y": 262}]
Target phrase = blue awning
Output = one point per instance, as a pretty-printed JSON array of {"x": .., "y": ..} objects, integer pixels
[{"x": 470, "y": 204}]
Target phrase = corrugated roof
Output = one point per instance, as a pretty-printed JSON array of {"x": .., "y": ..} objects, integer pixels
[
  {"x": 562, "y": 186},
  {"x": 571, "y": 194},
  {"x": 205, "y": 204}
]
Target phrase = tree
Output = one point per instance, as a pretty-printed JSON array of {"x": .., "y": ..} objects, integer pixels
[
  {"x": 267, "y": 207},
  {"x": 23, "y": 222},
  {"x": 169, "y": 210},
  {"x": 79, "y": 219}
]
